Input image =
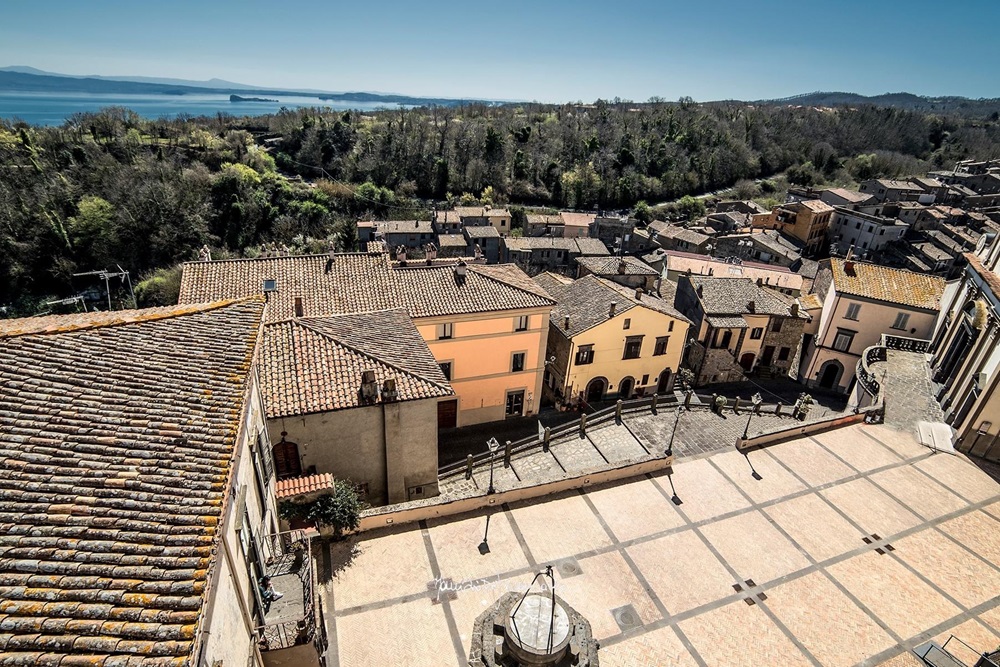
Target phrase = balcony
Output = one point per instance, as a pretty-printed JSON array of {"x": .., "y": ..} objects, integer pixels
[
  {"x": 293, "y": 631},
  {"x": 904, "y": 343}
]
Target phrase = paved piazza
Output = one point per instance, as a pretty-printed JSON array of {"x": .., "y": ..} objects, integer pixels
[{"x": 853, "y": 546}]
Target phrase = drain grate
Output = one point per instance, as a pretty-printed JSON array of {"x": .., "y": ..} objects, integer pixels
[
  {"x": 626, "y": 618},
  {"x": 882, "y": 550}
]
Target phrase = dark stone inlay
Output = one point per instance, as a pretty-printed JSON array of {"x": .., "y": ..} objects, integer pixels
[
  {"x": 568, "y": 567},
  {"x": 866, "y": 540},
  {"x": 626, "y": 618},
  {"x": 750, "y": 583},
  {"x": 749, "y": 601},
  {"x": 737, "y": 588},
  {"x": 762, "y": 596},
  {"x": 880, "y": 551}
]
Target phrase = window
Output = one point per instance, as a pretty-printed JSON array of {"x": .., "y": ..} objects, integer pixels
[
  {"x": 270, "y": 285},
  {"x": 661, "y": 345},
  {"x": 445, "y": 331},
  {"x": 783, "y": 353},
  {"x": 858, "y": 226},
  {"x": 521, "y": 323},
  {"x": 585, "y": 355},
  {"x": 517, "y": 362},
  {"x": 298, "y": 306},
  {"x": 901, "y": 319},
  {"x": 645, "y": 380},
  {"x": 628, "y": 323},
  {"x": 670, "y": 326},
  {"x": 776, "y": 325},
  {"x": 852, "y": 311},
  {"x": 842, "y": 343},
  {"x": 633, "y": 345},
  {"x": 446, "y": 369},
  {"x": 756, "y": 333}
]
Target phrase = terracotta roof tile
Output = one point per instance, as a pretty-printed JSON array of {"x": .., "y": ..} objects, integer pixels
[
  {"x": 286, "y": 488},
  {"x": 587, "y": 303},
  {"x": 315, "y": 364},
  {"x": 609, "y": 266},
  {"x": 885, "y": 284},
  {"x": 358, "y": 282},
  {"x": 116, "y": 433}
]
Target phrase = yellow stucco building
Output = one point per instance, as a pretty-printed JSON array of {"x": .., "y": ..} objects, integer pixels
[
  {"x": 485, "y": 325},
  {"x": 610, "y": 341}
]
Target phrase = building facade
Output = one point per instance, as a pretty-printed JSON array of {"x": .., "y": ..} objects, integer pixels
[{"x": 860, "y": 303}]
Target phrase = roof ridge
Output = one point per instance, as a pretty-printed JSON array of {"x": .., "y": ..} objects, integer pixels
[
  {"x": 368, "y": 355},
  {"x": 495, "y": 279},
  {"x": 358, "y": 253},
  {"x": 178, "y": 310}
]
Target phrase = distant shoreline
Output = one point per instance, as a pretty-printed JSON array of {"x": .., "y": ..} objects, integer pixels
[{"x": 237, "y": 98}]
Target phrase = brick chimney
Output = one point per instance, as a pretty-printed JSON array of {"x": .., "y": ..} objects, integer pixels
[
  {"x": 611, "y": 311},
  {"x": 638, "y": 294},
  {"x": 566, "y": 323}
]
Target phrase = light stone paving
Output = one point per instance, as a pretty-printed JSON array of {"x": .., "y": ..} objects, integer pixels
[{"x": 793, "y": 542}]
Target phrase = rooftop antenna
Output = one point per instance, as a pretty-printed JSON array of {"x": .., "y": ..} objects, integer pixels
[
  {"x": 67, "y": 301},
  {"x": 106, "y": 276}
]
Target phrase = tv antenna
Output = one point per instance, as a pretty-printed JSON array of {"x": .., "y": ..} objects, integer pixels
[
  {"x": 106, "y": 276},
  {"x": 78, "y": 299}
]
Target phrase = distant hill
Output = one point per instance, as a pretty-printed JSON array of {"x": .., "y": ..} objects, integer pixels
[
  {"x": 211, "y": 83},
  {"x": 947, "y": 104},
  {"x": 24, "y": 79}
]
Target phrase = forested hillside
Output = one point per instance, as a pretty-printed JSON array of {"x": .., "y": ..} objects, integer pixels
[{"x": 114, "y": 189}]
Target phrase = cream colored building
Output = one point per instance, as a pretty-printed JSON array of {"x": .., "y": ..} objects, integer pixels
[
  {"x": 967, "y": 354},
  {"x": 486, "y": 325},
  {"x": 356, "y": 396},
  {"x": 860, "y": 303},
  {"x": 498, "y": 218},
  {"x": 610, "y": 341},
  {"x": 805, "y": 220}
]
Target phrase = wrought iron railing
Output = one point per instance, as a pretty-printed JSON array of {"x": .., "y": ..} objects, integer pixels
[
  {"x": 291, "y": 554},
  {"x": 866, "y": 377},
  {"x": 904, "y": 343}
]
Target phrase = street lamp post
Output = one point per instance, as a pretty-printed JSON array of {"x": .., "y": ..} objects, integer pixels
[
  {"x": 757, "y": 400},
  {"x": 677, "y": 418},
  {"x": 494, "y": 446}
]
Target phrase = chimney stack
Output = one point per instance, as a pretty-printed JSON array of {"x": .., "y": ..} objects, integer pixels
[
  {"x": 751, "y": 307},
  {"x": 849, "y": 267},
  {"x": 794, "y": 309},
  {"x": 622, "y": 267},
  {"x": 638, "y": 294},
  {"x": 566, "y": 323},
  {"x": 760, "y": 282},
  {"x": 611, "y": 311}
]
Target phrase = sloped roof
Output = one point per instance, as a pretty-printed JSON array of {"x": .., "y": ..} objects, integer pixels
[
  {"x": 314, "y": 364},
  {"x": 405, "y": 226},
  {"x": 452, "y": 241},
  {"x": 549, "y": 281},
  {"x": 587, "y": 303},
  {"x": 483, "y": 232},
  {"x": 297, "y": 486},
  {"x": 116, "y": 437},
  {"x": 481, "y": 212},
  {"x": 882, "y": 283},
  {"x": 606, "y": 266},
  {"x": 816, "y": 205},
  {"x": 571, "y": 219},
  {"x": 732, "y": 296},
  {"x": 849, "y": 195},
  {"x": 358, "y": 282}
]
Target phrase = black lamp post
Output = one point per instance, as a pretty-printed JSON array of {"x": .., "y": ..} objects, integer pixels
[
  {"x": 494, "y": 446},
  {"x": 677, "y": 418},
  {"x": 757, "y": 400}
]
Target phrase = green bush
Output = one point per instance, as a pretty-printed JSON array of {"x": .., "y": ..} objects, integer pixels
[{"x": 341, "y": 510}]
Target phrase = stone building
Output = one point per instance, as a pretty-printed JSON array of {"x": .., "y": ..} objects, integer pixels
[
  {"x": 740, "y": 327},
  {"x": 627, "y": 271},
  {"x": 966, "y": 361}
]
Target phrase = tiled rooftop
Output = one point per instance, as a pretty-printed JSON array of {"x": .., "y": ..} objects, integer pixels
[
  {"x": 314, "y": 364},
  {"x": 358, "y": 282},
  {"x": 608, "y": 266},
  {"x": 297, "y": 486},
  {"x": 116, "y": 435},
  {"x": 732, "y": 296},
  {"x": 587, "y": 303},
  {"x": 482, "y": 232},
  {"x": 885, "y": 284}
]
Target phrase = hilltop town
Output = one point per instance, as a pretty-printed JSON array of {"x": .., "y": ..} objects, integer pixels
[{"x": 599, "y": 385}]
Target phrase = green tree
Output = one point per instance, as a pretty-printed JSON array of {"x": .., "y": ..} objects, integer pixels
[
  {"x": 642, "y": 212},
  {"x": 340, "y": 510},
  {"x": 92, "y": 230},
  {"x": 690, "y": 207}
]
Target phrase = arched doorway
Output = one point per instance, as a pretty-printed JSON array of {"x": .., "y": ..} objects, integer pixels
[
  {"x": 596, "y": 389},
  {"x": 286, "y": 459},
  {"x": 746, "y": 361},
  {"x": 664, "y": 383},
  {"x": 829, "y": 376},
  {"x": 625, "y": 387}
]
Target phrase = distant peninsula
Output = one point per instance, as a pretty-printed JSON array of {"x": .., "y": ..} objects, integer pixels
[{"x": 237, "y": 98}]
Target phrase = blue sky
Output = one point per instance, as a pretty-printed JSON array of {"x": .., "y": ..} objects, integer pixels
[{"x": 544, "y": 50}]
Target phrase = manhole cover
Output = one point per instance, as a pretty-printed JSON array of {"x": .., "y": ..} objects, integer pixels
[{"x": 626, "y": 618}]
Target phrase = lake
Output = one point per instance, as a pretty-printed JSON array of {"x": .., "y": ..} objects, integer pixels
[{"x": 55, "y": 108}]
